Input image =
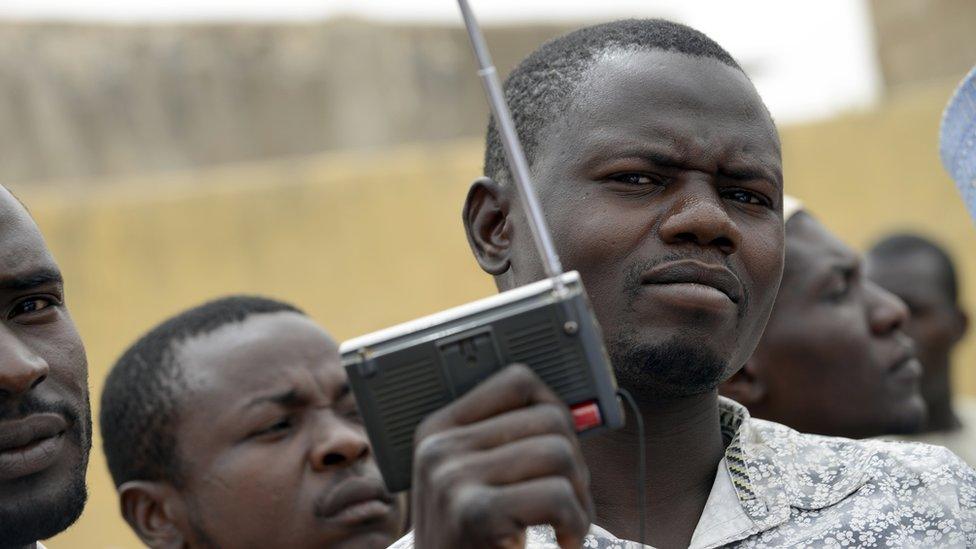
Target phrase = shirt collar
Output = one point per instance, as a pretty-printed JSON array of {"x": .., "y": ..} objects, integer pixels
[{"x": 774, "y": 468}]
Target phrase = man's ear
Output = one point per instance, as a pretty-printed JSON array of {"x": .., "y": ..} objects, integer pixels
[
  {"x": 487, "y": 225},
  {"x": 154, "y": 511},
  {"x": 961, "y": 325},
  {"x": 745, "y": 386}
]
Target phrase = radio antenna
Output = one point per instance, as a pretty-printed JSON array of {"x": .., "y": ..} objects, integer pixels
[{"x": 513, "y": 150}]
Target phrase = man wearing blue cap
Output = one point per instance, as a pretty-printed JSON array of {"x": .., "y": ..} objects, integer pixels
[{"x": 957, "y": 140}]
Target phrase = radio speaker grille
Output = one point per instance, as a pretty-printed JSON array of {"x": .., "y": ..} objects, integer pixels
[
  {"x": 559, "y": 365},
  {"x": 409, "y": 393}
]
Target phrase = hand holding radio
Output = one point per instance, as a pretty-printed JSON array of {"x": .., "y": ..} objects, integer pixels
[{"x": 500, "y": 458}]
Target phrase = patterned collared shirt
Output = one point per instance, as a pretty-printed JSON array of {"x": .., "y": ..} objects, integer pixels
[{"x": 776, "y": 487}]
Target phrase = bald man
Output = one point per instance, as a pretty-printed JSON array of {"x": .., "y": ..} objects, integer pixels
[
  {"x": 922, "y": 273},
  {"x": 835, "y": 358}
]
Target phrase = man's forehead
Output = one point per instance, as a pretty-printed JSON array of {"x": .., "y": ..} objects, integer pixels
[
  {"x": 22, "y": 248},
  {"x": 678, "y": 100},
  {"x": 918, "y": 272},
  {"x": 812, "y": 249},
  {"x": 261, "y": 350}
]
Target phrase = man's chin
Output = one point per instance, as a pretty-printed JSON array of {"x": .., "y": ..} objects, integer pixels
[
  {"x": 369, "y": 539},
  {"x": 908, "y": 418},
  {"x": 675, "y": 368},
  {"x": 46, "y": 515}
]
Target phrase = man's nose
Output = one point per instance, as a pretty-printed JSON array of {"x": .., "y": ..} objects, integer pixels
[
  {"x": 20, "y": 368},
  {"x": 698, "y": 217},
  {"x": 338, "y": 445},
  {"x": 887, "y": 313}
]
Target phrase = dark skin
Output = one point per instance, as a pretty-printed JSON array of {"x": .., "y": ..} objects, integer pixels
[
  {"x": 665, "y": 161},
  {"x": 835, "y": 358},
  {"x": 272, "y": 448},
  {"x": 936, "y": 323},
  {"x": 45, "y": 422}
]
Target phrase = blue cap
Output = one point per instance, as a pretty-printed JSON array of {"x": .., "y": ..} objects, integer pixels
[{"x": 957, "y": 140}]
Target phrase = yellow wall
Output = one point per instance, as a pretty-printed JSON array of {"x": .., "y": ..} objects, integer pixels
[{"x": 366, "y": 240}]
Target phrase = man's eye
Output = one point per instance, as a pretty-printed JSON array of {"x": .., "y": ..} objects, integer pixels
[
  {"x": 31, "y": 305},
  {"x": 839, "y": 291},
  {"x": 277, "y": 428},
  {"x": 353, "y": 415},
  {"x": 745, "y": 197},
  {"x": 637, "y": 179}
]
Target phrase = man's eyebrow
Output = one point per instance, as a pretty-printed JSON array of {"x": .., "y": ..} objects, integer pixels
[
  {"x": 656, "y": 155},
  {"x": 667, "y": 157},
  {"x": 31, "y": 280},
  {"x": 841, "y": 265},
  {"x": 742, "y": 172},
  {"x": 285, "y": 398}
]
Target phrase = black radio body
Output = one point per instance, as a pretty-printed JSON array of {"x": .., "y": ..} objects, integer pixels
[{"x": 401, "y": 374}]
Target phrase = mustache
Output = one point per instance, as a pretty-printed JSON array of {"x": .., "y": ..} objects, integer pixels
[
  {"x": 30, "y": 405},
  {"x": 633, "y": 276},
  {"x": 322, "y": 502}
]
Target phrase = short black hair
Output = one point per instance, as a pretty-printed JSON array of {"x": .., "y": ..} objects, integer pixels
[
  {"x": 141, "y": 399},
  {"x": 902, "y": 244},
  {"x": 543, "y": 84}
]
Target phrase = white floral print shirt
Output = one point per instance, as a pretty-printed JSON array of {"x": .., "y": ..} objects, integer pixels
[{"x": 776, "y": 487}]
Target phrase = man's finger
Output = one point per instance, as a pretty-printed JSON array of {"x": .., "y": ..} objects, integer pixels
[
  {"x": 524, "y": 460},
  {"x": 514, "y": 387},
  {"x": 539, "y": 419},
  {"x": 547, "y": 500}
]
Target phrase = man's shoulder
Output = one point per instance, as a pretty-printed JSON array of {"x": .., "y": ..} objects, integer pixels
[
  {"x": 406, "y": 542},
  {"x": 830, "y": 489},
  {"x": 810, "y": 463},
  {"x": 792, "y": 444},
  {"x": 543, "y": 537}
]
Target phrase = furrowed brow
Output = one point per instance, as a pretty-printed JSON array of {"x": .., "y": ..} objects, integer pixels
[
  {"x": 286, "y": 399},
  {"x": 659, "y": 155},
  {"x": 31, "y": 280},
  {"x": 748, "y": 173}
]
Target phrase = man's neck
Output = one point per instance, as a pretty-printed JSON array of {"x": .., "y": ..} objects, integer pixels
[
  {"x": 937, "y": 391},
  {"x": 942, "y": 416},
  {"x": 684, "y": 445}
]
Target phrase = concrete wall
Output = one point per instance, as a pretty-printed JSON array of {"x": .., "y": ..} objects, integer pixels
[
  {"x": 922, "y": 41},
  {"x": 365, "y": 240},
  {"x": 89, "y": 100},
  {"x": 97, "y": 100}
]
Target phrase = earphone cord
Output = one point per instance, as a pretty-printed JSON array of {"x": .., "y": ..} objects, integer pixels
[{"x": 641, "y": 461}]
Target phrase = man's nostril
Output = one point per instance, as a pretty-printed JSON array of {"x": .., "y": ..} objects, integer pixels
[{"x": 333, "y": 459}]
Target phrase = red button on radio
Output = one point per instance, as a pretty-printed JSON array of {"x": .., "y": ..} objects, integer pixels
[{"x": 586, "y": 416}]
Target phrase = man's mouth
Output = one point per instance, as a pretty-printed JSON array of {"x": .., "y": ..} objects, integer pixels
[
  {"x": 697, "y": 276},
  {"x": 907, "y": 367},
  {"x": 356, "y": 500},
  {"x": 30, "y": 444}
]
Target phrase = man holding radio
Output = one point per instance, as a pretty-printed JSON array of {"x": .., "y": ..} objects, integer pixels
[{"x": 659, "y": 169}]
